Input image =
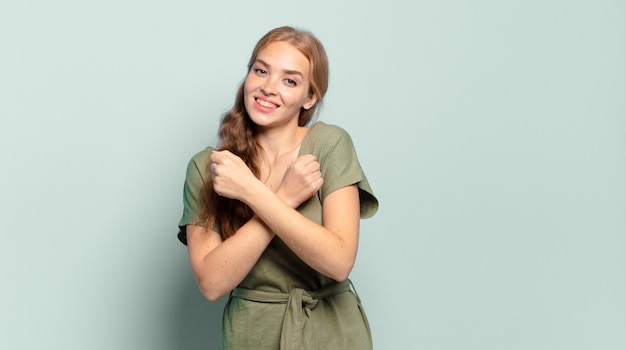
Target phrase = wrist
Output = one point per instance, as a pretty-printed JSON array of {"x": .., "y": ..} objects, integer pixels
[
  {"x": 256, "y": 194},
  {"x": 286, "y": 199}
]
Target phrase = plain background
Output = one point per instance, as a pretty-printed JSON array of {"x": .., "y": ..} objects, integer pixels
[{"x": 493, "y": 133}]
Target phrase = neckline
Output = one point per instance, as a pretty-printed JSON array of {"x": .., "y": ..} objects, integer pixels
[{"x": 306, "y": 138}]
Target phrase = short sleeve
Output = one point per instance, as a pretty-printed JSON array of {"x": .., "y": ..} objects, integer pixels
[
  {"x": 194, "y": 180},
  {"x": 340, "y": 166}
]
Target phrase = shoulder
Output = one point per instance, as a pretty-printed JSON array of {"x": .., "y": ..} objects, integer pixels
[
  {"x": 198, "y": 163},
  {"x": 322, "y": 133},
  {"x": 328, "y": 130},
  {"x": 202, "y": 156},
  {"x": 328, "y": 142}
]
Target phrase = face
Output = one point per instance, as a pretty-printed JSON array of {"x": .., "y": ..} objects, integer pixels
[{"x": 278, "y": 86}]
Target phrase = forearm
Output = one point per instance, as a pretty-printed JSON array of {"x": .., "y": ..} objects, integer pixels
[
  {"x": 221, "y": 269},
  {"x": 327, "y": 250}
]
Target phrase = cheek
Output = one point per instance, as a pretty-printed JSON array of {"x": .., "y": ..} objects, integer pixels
[
  {"x": 295, "y": 96},
  {"x": 246, "y": 93},
  {"x": 252, "y": 82},
  {"x": 305, "y": 98},
  {"x": 246, "y": 84}
]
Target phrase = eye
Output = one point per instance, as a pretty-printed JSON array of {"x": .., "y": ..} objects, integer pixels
[
  {"x": 290, "y": 82},
  {"x": 259, "y": 71}
]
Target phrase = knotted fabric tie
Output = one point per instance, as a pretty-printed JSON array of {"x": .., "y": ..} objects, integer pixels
[{"x": 298, "y": 310}]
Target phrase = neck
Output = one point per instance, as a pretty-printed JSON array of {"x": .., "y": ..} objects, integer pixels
[{"x": 277, "y": 142}]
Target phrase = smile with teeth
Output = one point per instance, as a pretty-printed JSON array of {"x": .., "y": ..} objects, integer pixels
[{"x": 265, "y": 103}]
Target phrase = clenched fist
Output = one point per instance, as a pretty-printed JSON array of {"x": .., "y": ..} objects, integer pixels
[
  {"x": 231, "y": 176},
  {"x": 301, "y": 180}
]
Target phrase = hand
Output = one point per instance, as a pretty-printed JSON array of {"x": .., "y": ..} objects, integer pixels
[
  {"x": 231, "y": 176},
  {"x": 301, "y": 180}
]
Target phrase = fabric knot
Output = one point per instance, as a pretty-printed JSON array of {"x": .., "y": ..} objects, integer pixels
[
  {"x": 300, "y": 303},
  {"x": 305, "y": 299},
  {"x": 299, "y": 308}
]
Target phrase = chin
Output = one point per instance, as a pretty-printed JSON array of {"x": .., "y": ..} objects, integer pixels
[{"x": 261, "y": 122}]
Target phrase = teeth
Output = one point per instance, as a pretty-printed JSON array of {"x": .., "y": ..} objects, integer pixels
[{"x": 266, "y": 104}]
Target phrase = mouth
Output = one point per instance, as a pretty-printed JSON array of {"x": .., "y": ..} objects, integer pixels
[{"x": 265, "y": 103}]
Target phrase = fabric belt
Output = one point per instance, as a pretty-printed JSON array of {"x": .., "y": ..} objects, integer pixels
[{"x": 299, "y": 305}]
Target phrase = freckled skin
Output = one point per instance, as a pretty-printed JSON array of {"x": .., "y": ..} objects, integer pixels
[{"x": 278, "y": 78}]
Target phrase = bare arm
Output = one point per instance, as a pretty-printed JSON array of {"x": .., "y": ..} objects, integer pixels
[
  {"x": 219, "y": 266},
  {"x": 329, "y": 248}
]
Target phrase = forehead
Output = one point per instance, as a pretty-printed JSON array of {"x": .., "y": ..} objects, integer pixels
[{"x": 284, "y": 56}]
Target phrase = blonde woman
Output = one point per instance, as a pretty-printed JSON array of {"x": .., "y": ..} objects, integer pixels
[{"x": 272, "y": 214}]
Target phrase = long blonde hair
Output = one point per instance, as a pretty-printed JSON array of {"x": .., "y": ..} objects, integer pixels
[{"x": 237, "y": 132}]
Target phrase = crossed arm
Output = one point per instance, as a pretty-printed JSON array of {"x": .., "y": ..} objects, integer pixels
[{"x": 330, "y": 248}]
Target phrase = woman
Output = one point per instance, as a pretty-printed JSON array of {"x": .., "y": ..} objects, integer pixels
[{"x": 272, "y": 217}]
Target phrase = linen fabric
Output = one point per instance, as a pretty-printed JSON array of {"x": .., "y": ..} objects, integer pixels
[{"x": 283, "y": 300}]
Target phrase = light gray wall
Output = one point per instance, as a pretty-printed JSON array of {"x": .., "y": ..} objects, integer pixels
[{"x": 493, "y": 132}]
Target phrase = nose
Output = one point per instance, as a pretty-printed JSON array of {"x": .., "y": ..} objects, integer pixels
[{"x": 269, "y": 86}]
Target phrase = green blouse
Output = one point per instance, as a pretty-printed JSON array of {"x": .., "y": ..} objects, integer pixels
[{"x": 255, "y": 321}]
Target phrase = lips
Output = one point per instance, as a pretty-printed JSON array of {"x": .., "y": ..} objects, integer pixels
[{"x": 265, "y": 103}]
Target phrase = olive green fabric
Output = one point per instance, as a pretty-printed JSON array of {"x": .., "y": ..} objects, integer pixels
[
  {"x": 299, "y": 304},
  {"x": 334, "y": 321}
]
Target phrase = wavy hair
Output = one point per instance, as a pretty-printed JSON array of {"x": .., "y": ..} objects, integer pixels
[{"x": 237, "y": 132}]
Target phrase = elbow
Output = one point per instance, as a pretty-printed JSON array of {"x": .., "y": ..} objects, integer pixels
[
  {"x": 210, "y": 291},
  {"x": 211, "y": 286},
  {"x": 342, "y": 273},
  {"x": 340, "y": 278},
  {"x": 338, "y": 266},
  {"x": 212, "y": 296}
]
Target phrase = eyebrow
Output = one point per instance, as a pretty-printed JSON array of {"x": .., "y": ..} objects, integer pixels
[{"x": 286, "y": 71}]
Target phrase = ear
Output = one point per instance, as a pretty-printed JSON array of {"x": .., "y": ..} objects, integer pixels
[{"x": 310, "y": 102}]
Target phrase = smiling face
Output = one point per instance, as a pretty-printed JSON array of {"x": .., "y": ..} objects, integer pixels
[{"x": 277, "y": 86}]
